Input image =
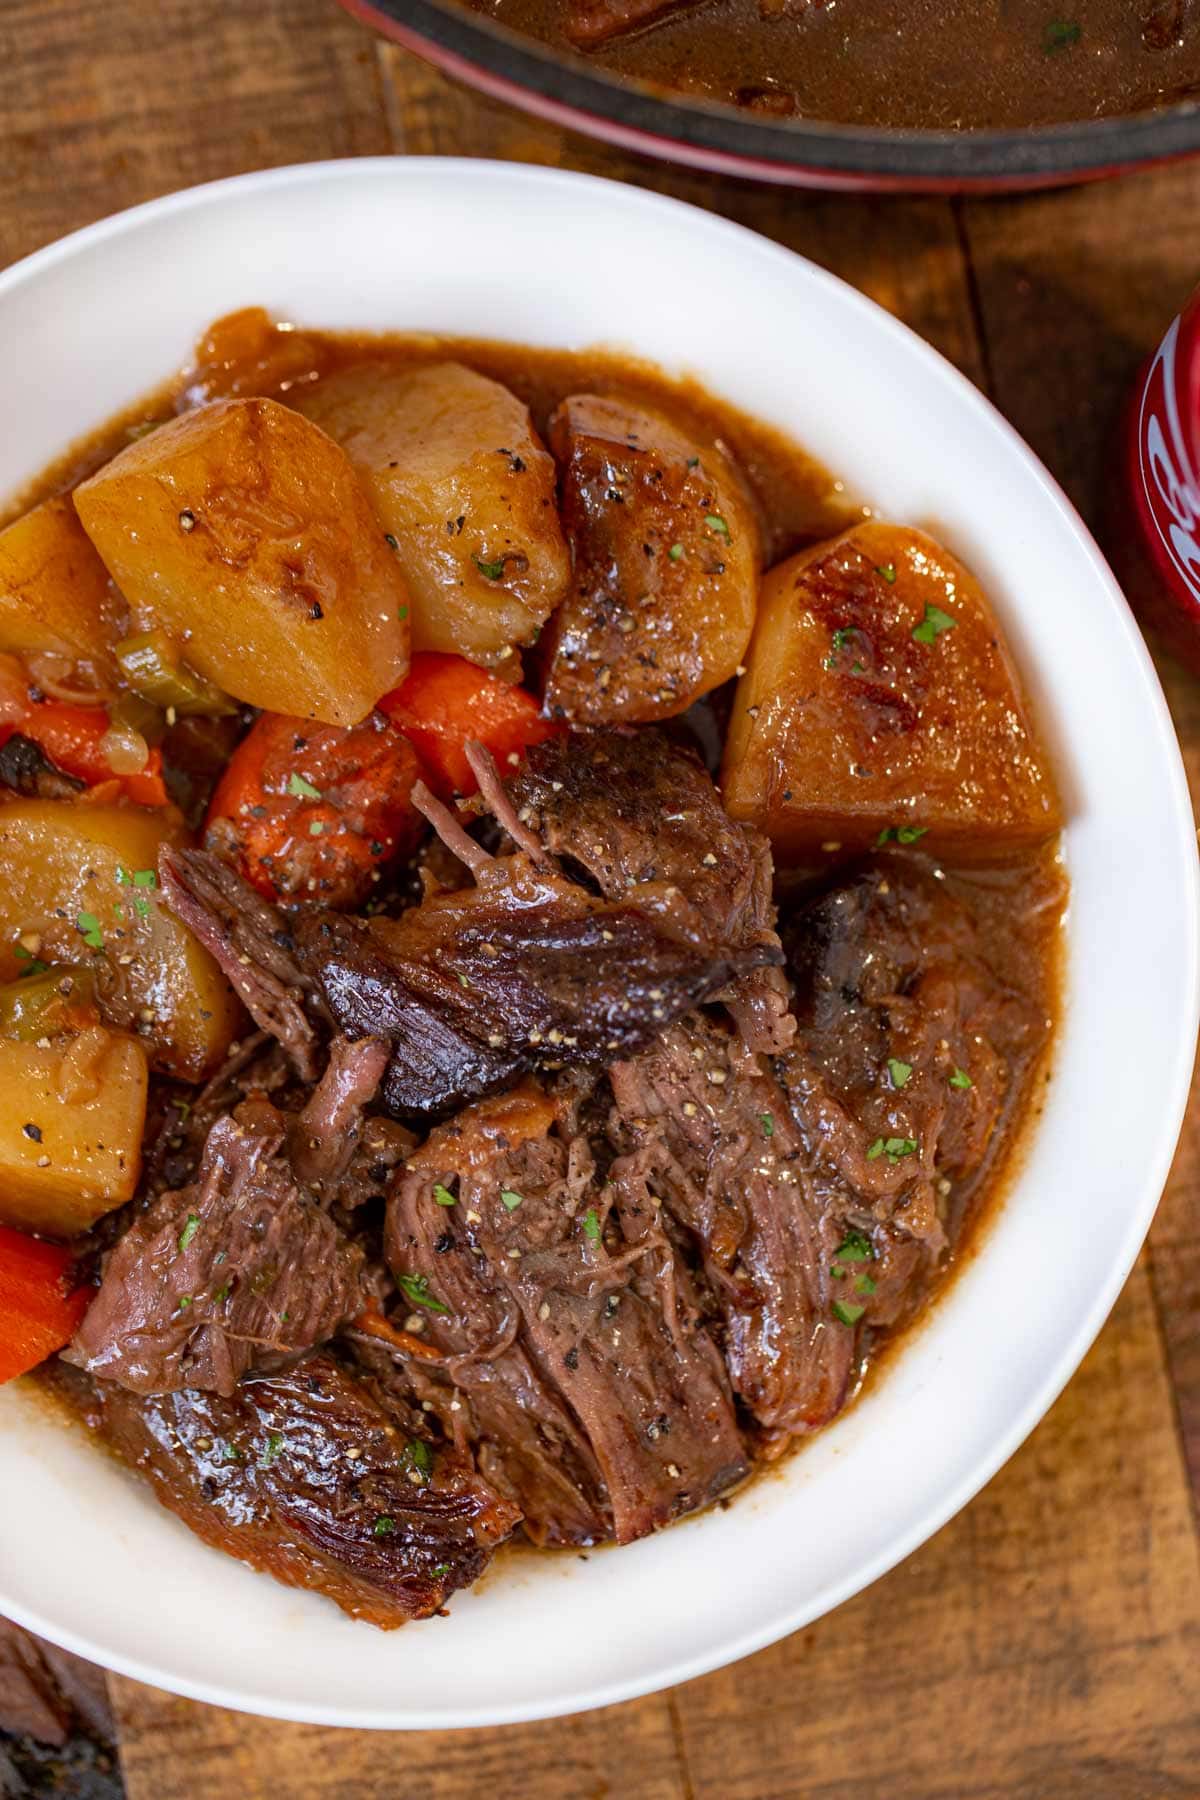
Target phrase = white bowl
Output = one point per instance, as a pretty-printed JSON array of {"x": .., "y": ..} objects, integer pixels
[{"x": 87, "y": 1557}]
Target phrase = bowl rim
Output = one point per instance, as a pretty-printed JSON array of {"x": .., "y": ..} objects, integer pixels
[
  {"x": 1173, "y": 1095},
  {"x": 565, "y": 88}
]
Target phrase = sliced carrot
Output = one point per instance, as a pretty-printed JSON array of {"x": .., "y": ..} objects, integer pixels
[
  {"x": 39, "y": 1312},
  {"x": 444, "y": 702},
  {"x": 316, "y": 812}
]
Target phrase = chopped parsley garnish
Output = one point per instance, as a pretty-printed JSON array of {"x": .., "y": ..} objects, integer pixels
[
  {"x": 141, "y": 907},
  {"x": 901, "y": 834},
  {"x": 899, "y": 1071},
  {"x": 273, "y": 1447},
  {"x": 492, "y": 570},
  {"x": 848, "y": 1311},
  {"x": 185, "y": 1300},
  {"x": 384, "y": 1526},
  {"x": 230, "y": 1453},
  {"x": 189, "y": 1231},
  {"x": 716, "y": 523},
  {"x": 855, "y": 1247},
  {"x": 887, "y": 570},
  {"x": 675, "y": 552},
  {"x": 767, "y": 1121},
  {"x": 443, "y": 1196},
  {"x": 33, "y": 964},
  {"x": 1060, "y": 34},
  {"x": 511, "y": 1199},
  {"x": 934, "y": 622},
  {"x": 416, "y": 1287},
  {"x": 960, "y": 1079},
  {"x": 441, "y": 1568},
  {"x": 420, "y": 1456},
  {"x": 402, "y": 613},
  {"x": 89, "y": 925},
  {"x": 316, "y": 828},
  {"x": 863, "y": 1284},
  {"x": 222, "y": 1294},
  {"x": 838, "y": 641},
  {"x": 591, "y": 1224},
  {"x": 143, "y": 878},
  {"x": 893, "y": 1148},
  {"x": 302, "y": 788}
]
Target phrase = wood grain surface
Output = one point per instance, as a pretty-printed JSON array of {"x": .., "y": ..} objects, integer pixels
[{"x": 1047, "y": 1642}]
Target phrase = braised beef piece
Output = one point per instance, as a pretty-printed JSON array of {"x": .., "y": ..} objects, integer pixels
[
  {"x": 325, "y": 1133},
  {"x": 528, "y": 1285},
  {"x": 26, "y": 769},
  {"x": 251, "y": 941},
  {"x": 907, "y": 1039},
  {"x": 524, "y": 970},
  {"x": 632, "y": 808},
  {"x": 305, "y": 1475},
  {"x": 238, "y": 1270},
  {"x": 706, "y": 1132}
]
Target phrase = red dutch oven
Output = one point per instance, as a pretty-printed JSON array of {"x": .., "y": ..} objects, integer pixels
[{"x": 570, "y": 92}]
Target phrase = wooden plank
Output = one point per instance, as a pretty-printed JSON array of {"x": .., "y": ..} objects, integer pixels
[
  {"x": 1045, "y": 1643},
  {"x": 175, "y": 1750},
  {"x": 103, "y": 106}
]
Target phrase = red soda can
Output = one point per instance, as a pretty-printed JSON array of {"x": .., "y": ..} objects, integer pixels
[{"x": 1163, "y": 469}]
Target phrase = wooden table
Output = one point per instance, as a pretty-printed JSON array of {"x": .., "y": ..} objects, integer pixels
[{"x": 1047, "y": 1642}]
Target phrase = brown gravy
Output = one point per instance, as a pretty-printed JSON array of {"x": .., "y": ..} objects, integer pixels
[{"x": 942, "y": 65}]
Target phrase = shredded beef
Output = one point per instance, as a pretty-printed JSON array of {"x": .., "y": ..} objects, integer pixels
[
  {"x": 891, "y": 979},
  {"x": 325, "y": 1134},
  {"x": 632, "y": 808},
  {"x": 213, "y": 1280},
  {"x": 706, "y": 1131},
  {"x": 305, "y": 1475},
  {"x": 523, "y": 971},
  {"x": 250, "y": 940},
  {"x": 587, "y": 1319}
]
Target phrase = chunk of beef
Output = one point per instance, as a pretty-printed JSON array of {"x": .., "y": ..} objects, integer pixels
[
  {"x": 632, "y": 808},
  {"x": 303, "y": 1474},
  {"x": 706, "y": 1132},
  {"x": 26, "y": 769},
  {"x": 238, "y": 1269},
  {"x": 907, "y": 1039},
  {"x": 522, "y": 971},
  {"x": 250, "y": 940},
  {"x": 592, "y": 1316},
  {"x": 328, "y": 1129}
]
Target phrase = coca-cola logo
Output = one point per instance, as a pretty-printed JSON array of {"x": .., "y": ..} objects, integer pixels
[{"x": 1165, "y": 461}]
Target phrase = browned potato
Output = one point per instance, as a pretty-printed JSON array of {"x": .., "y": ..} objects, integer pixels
[
  {"x": 880, "y": 704},
  {"x": 243, "y": 531},
  {"x": 666, "y": 553},
  {"x": 72, "y": 1115},
  {"x": 460, "y": 479},
  {"x": 55, "y": 593},
  {"x": 77, "y": 888}
]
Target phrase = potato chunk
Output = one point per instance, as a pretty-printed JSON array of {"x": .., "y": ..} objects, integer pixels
[
  {"x": 460, "y": 479},
  {"x": 879, "y": 697},
  {"x": 55, "y": 593},
  {"x": 79, "y": 886},
  {"x": 243, "y": 531},
  {"x": 666, "y": 552},
  {"x": 71, "y": 1122}
]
